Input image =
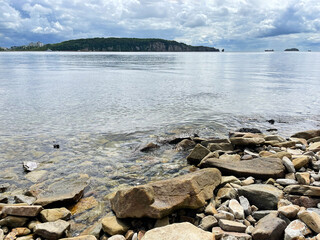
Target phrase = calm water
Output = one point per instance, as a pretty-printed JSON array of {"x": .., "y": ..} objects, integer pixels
[{"x": 101, "y": 107}]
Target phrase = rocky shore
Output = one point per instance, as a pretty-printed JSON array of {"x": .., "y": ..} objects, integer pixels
[{"x": 248, "y": 186}]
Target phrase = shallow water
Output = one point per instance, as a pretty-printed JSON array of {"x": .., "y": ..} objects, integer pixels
[{"x": 101, "y": 107}]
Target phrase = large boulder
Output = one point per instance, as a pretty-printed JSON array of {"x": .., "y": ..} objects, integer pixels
[
  {"x": 159, "y": 199},
  {"x": 261, "y": 168},
  {"x": 181, "y": 231},
  {"x": 303, "y": 190},
  {"x": 307, "y": 134},
  {"x": 264, "y": 196},
  {"x": 269, "y": 228},
  {"x": 65, "y": 191}
]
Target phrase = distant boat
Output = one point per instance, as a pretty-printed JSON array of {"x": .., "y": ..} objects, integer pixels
[{"x": 269, "y": 50}]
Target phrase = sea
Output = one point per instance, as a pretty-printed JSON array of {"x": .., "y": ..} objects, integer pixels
[{"x": 102, "y": 107}]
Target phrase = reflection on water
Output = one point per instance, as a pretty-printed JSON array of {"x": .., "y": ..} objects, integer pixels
[{"x": 102, "y": 107}]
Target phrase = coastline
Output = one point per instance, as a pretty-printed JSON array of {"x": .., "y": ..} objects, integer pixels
[{"x": 244, "y": 148}]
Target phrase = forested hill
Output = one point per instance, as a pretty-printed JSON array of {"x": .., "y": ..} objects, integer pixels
[{"x": 125, "y": 45}]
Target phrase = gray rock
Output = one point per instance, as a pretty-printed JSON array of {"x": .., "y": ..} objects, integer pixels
[
  {"x": 197, "y": 154},
  {"x": 24, "y": 199},
  {"x": 269, "y": 228},
  {"x": 260, "y": 168},
  {"x": 244, "y": 142},
  {"x": 181, "y": 231},
  {"x": 245, "y": 204},
  {"x": 52, "y": 230},
  {"x": 30, "y": 166},
  {"x": 208, "y": 222},
  {"x": 36, "y": 176},
  {"x": 257, "y": 215},
  {"x": 296, "y": 229},
  {"x": 264, "y": 196},
  {"x": 220, "y": 146},
  {"x": 22, "y": 211},
  {"x": 286, "y": 182},
  {"x": 65, "y": 191},
  {"x": 236, "y": 209},
  {"x": 4, "y": 187},
  {"x": 288, "y": 164},
  {"x": 12, "y": 221}
]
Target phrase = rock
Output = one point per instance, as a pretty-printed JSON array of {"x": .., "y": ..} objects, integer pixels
[
  {"x": 65, "y": 191},
  {"x": 314, "y": 147},
  {"x": 285, "y": 181},
  {"x": 83, "y": 237},
  {"x": 229, "y": 179},
  {"x": 227, "y": 193},
  {"x": 117, "y": 237},
  {"x": 289, "y": 211},
  {"x": 217, "y": 233},
  {"x": 4, "y": 187},
  {"x": 264, "y": 196},
  {"x": 220, "y": 146},
  {"x": 311, "y": 219},
  {"x": 22, "y": 211},
  {"x": 245, "y": 205},
  {"x": 274, "y": 138},
  {"x": 303, "y": 178},
  {"x": 21, "y": 231},
  {"x": 288, "y": 164},
  {"x": 94, "y": 230},
  {"x": 3, "y": 199},
  {"x": 208, "y": 222},
  {"x": 30, "y": 166},
  {"x": 113, "y": 225},
  {"x": 129, "y": 235},
  {"x": 232, "y": 226},
  {"x": 197, "y": 154},
  {"x": 307, "y": 134},
  {"x": 303, "y": 190},
  {"x": 206, "y": 142},
  {"x": 230, "y": 157},
  {"x": 51, "y": 215},
  {"x": 32, "y": 224},
  {"x": 235, "y": 236},
  {"x": 159, "y": 199},
  {"x": 24, "y": 199},
  {"x": 269, "y": 228},
  {"x": 300, "y": 162},
  {"x": 257, "y": 215},
  {"x": 186, "y": 144},
  {"x": 286, "y": 144},
  {"x": 36, "y": 176},
  {"x": 149, "y": 147},
  {"x": 162, "y": 222},
  {"x": 224, "y": 215},
  {"x": 236, "y": 209},
  {"x": 249, "y": 130},
  {"x": 296, "y": 229},
  {"x": 247, "y": 181},
  {"x": 181, "y": 231},
  {"x": 12, "y": 222},
  {"x": 244, "y": 142},
  {"x": 51, "y": 230},
  {"x": 260, "y": 168}
]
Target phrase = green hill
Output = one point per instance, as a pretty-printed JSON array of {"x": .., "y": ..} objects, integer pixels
[{"x": 125, "y": 45}]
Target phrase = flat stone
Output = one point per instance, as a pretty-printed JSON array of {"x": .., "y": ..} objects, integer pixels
[
  {"x": 307, "y": 134},
  {"x": 232, "y": 226},
  {"x": 296, "y": 229},
  {"x": 24, "y": 199},
  {"x": 264, "y": 196},
  {"x": 220, "y": 146},
  {"x": 303, "y": 178},
  {"x": 314, "y": 147},
  {"x": 244, "y": 142},
  {"x": 22, "y": 211},
  {"x": 83, "y": 237},
  {"x": 236, "y": 209},
  {"x": 235, "y": 236},
  {"x": 181, "y": 231},
  {"x": 303, "y": 190},
  {"x": 300, "y": 162},
  {"x": 12, "y": 221},
  {"x": 274, "y": 138},
  {"x": 208, "y": 222},
  {"x": 224, "y": 215},
  {"x": 286, "y": 182},
  {"x": 257, "y": 215},
  {"x": 51, "y": 230},
  {"x": 65, "y": 191},
  {"x": 197, "y": 154},
  {"x": 289, "y": 211},
  {"x": 52, "y": 215},
  {"x": 269, "y": 228},
  {"x": 112, "y": 225},
  {"x": 36, "y": 176},
  {"x": 288, "y": 164},
  {"x": 286, "y": 144},
  {"x": 159, "y": 199},
  {"x": 311, "y": 219},
  {"x": 185, "y": 144},
  {"x": 4, "y": 187},
  {"x": 260, "y": 168}
]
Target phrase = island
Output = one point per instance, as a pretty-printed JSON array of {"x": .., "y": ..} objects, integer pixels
[
  {"x": 291, "y": 50},
  {"x": 119, "y": 45}
]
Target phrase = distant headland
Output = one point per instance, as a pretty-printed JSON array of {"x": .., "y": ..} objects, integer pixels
[{"x": 118, "y": 45}]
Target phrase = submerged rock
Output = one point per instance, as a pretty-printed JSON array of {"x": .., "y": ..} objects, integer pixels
[{"x": 158, "y": 199}]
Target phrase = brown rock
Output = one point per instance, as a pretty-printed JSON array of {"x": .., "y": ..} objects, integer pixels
[
  {"x": 296, "y": 229},
  {"x": 52, "y": 215},
  {"x": 311, "y": 219},
  {"x": 300, "y": 162},
  {"x": 149, "y": 147},
  {"x": 159, "y": 199},
  {"x": 113, "y": 225},
  {"x": 269, "y": 228},
  {"x": 303, "y": 190},
  {"x": 303, "y": 178},
  {"x": 289, "y": 211},
  {"x": 186, "y": 144},
  {"x": 307, "y": 134},
  {"x": 314, "y": 147},
  {"x": 51, "y": 230},
  {"x": 286, "y": 144},
  {"x": 242, "y": 141},
  {"x": 83, "y": 205},
  {"x": 22, "y": 211},
  {"x": 220, "y": 146},
  {"x": 197, "y": 154},
  {"x": 232, "y": 226},
  {"x": 261, "y": 168}
]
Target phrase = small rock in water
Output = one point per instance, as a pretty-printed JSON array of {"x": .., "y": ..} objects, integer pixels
[
  {"x": 272, "y": 130},
  {"x": 271, "y": 121},
  {"x": 4, "y": 187},
  {"x": 249, "y": 130},
  {"x": 57, "y": 146},
  {"x": 30, "y": 166}
]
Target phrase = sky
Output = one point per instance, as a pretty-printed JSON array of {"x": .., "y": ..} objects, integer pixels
[{"x": 235, "y": 25}]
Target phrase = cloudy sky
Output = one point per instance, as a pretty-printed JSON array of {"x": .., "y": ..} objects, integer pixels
[{"x": 236, "y": 25}]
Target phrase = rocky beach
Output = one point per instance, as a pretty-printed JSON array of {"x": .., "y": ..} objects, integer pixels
[{"x": 251, "y": 185}]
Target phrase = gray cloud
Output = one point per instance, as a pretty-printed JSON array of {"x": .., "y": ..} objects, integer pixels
[{"x": 230, "y": 23}]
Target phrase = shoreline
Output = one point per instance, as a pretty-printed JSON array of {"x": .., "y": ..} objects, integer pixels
[{"x": 294, "y": 168}]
